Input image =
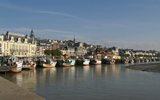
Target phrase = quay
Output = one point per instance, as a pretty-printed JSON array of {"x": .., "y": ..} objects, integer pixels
[{"x": 10, "y": 91}]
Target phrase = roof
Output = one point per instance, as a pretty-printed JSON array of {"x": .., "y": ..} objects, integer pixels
[{"x": 8, "y": 35}]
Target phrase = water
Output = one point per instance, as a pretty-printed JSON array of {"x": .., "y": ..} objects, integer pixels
[{"x": 94, "y": 82}]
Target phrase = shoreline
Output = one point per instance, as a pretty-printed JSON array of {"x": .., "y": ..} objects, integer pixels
[
  {"x": 11, "y": 91},
  {"x": 150, "y": 67}
]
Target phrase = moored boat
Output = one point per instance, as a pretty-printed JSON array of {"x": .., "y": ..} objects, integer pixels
[
  {"x": 86, "y": 62},
  {"x": 125, "y": 61},
  {"x": 46, "y": 62},
  {"x": 49, "y": 63},
  {"x": 72, "y": 61},
  {"x": 64, "y": 63},
  {"x": 16, "y": 66},
  {"x": 28, "y": 64},
  {"x": 131, "y": 61},
  {"x": 110, "y": 61},
  {"x": 95, "y": 61},
  {"x": 5, "y": 66}
]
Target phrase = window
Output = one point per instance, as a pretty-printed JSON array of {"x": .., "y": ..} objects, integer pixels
[
  {"x": 15, "y": 47},
  {"x": 11, "y": 46}
]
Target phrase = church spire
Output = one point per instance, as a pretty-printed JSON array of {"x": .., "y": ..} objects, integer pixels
[{"x": 74, "y": 39}]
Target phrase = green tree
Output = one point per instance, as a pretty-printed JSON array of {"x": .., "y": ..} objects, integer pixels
[
  {"x": 59, "y": 53},
  {"x": 47, "y": 52},
  {"x": 56, "y": 52},
  {"x": 124, "y": 55}
]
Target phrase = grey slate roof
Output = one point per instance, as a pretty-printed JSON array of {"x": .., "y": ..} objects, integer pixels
[{"x": 8, "y": 35}]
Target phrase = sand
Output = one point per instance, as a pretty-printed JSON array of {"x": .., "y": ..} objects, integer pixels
[{"x": 150, "y": 67}]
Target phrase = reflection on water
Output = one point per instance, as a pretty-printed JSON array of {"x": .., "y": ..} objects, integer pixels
[{"x": 96, "y": 82}]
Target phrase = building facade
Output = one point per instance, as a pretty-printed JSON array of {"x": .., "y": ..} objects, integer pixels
[{"x": 16, "y": 44}]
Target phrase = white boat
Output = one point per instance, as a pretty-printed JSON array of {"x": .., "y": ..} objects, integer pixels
[
  {"x": 95, "y": 61},
  {"x": 47, "y": 63},
  {"x": 86, "y": 62},
  {"x": 28, "y": 64},
  {"x": 16, "y": 65},
  {"x": 72, "y": 61}
]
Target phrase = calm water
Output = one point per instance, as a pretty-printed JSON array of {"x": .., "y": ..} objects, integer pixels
[{"x": 94, "y": 82}]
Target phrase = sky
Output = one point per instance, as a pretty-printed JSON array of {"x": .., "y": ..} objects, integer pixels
[{"x": 127, "y": 24}]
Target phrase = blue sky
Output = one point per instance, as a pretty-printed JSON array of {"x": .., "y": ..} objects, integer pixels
[{"x": 132, "y": 24}]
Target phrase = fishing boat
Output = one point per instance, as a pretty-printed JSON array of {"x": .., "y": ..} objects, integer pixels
[
  {"x": 28, "y": 63},
  {"x": 110, "y": 61},
  {"x": 72, "y": 61},
  {"x": 142, "y": 60},
  {"x": 95, "y": 61},
  {"x": 83, "y": 62},
  {"x": 146, "y": 60},
  {"x": 86, "y": 62},
  {"x": 125, "y": 61},
  {"x": 64, "y": 62},
  {"x": 47, "y": 62},
  {"x": 131, "y": 61},
  {"x": 5, "y": 66},
  {"x": 16, "y": 65}
]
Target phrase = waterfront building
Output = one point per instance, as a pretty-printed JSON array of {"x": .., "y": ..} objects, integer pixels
[
  {"x": 79, "y": 44},
  {"x": 79, "y": 51},
  {"x": 19, "y": 45},
  {"x": 115, "y": 51},
  {"x": 46, "y": 44},
  {"x": 66, "y": 50}
]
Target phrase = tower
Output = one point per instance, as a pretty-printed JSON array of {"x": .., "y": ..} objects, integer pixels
[
  {"x": 74, "y": 40},
  {"x": 32, "y": 34}
]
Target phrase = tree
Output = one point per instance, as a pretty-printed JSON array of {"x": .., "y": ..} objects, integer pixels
[
  {"x": 53, "y": 52},
  {"x": 47, "y": 52},
  {"x": 85, "y": 44},
  {"x": 124, "y": 55}
]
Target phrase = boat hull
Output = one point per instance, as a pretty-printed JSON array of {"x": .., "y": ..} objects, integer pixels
[
  {"x": 66, "y": 64},
  {"x": 86, "y": 63},
  {"x": 49, "y": 65},
  {"x": 96, "y": 62},
  {"x": 17, "y": 67},
  {"x": 29, "y": 66}
]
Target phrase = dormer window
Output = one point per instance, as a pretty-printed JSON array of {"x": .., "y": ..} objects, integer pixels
[
  {"x": 19, "y": 39},
  {"x": 12, "y": 38},
  {"x": 26, "y": 40}
]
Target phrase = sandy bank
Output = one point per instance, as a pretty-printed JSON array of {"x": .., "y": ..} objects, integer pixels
[{"x": 150, "y": 67}]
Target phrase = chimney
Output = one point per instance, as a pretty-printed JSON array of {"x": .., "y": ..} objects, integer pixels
[
  {"x": 26, "y": 36},
  {"x": 7, "y": 34}
]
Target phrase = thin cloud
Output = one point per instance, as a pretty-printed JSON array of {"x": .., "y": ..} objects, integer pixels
[
  {"x": 37, "y": 11},
  {"x": 55, "y": 13},
  {"x": 26, "y": 30}
]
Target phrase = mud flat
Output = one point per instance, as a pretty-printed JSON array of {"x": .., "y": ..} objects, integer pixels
[
  {"x": 10, "y": 91},
  {"x": 150, "y": 67}
]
